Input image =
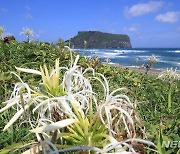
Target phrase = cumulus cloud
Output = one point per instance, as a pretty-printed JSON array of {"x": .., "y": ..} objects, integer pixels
[
  {"x": 28, "y": 16},
  {"x": 3, "y": 10},
  {"x": 169, "y": 17},
  {"x": 143, "y": 8}
]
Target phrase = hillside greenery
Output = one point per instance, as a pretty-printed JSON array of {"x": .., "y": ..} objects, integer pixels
[
  {"x": 96, "y": 39},
  {"x": 150, "y": 92}
]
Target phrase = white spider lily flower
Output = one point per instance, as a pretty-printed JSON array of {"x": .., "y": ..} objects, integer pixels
[
  {"x": 169, "y": 74},
  {"x": 106, "y": 85},
  {"x": 67, "y": 100},
  {"x": 89, "y": 69},
  {"x": 22, "y": 101},
  {"x": 153, "y": 59},
  {"x": 60, "y": 102},
  {"x": 120, "y": 103},
  {"x": 1, "y": 32},
  {"x": 114, "y": 145},
  {"x": 106, "y": 112},
  {"x": 27, "y": 32}
]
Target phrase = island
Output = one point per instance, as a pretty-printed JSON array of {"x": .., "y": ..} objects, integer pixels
[{"x": 97, "y": 39}]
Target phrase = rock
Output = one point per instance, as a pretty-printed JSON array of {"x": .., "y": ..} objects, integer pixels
[
  {"x": 8, "y": 39},
  {"x": 97, "y": 39}
]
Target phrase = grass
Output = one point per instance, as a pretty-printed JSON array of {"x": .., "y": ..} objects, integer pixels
[{"x": 151, "y": 93}]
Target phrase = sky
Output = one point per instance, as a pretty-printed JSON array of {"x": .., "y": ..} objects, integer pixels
[{"x": 149, "y": 23}]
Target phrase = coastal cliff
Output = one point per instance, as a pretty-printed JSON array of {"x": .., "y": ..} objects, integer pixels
[{"x": 97, "y": 39}]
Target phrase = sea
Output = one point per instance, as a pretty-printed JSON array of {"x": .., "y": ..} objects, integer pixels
[{"x": 167, "y": 57}]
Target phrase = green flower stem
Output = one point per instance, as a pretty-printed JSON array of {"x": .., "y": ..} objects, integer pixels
[
  {"x": 148, "y": 68},
  {"x": 169, "y": 98}
]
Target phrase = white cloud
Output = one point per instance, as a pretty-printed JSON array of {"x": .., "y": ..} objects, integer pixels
[
  {"x": 131, "y": 29},
  {"x": 143, "y": 8},
  {"x": 170, "y": 17},
  {"x": 3, "y": 10},
  {"x": 27, "y": 8},
  {"x": 28, "y": 16}
]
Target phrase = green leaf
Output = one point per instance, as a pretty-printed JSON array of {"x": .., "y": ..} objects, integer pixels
[{"x": 160, "y": 141}]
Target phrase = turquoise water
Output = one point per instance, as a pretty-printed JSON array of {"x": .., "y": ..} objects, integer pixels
[{"x": 167, "y": 57}]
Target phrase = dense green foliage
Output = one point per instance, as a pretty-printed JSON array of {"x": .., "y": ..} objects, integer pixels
[
  {"x": 96, "y": 39},
  {"x": 151, "y": 93}
]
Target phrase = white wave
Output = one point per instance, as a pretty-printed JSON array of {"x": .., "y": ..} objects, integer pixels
[
  {"x": 177, "y": 51},
  {"x": 170, "y": 62},
  {"x": 91, "y": 50},
  {"x": 146, "y": 57},
  {"x": 174, "y": 51},
  {"x": 143, "y": 56},
  {"x": 167, "y": 62},
  {"x": 111, "y": 63},
  {"x": 76, "y": 49},
  {"x": 129, "y": 51},
  {"x": 133, "y": 66},
  {"x": 122, "y": 56},
  {"x": 107, "y": 54},
  {"x": 110, "y": 53}
]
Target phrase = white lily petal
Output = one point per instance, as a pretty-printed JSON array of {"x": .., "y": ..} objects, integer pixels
[
  {"x": 15, "y": 117},
  {"x": 7, "y": 106},
  {"x": 54, "y": 126},
  {"x": 106, "y": 84},
  {"x": 28, "y": 70},
  {"x": 141, "y": 141}
]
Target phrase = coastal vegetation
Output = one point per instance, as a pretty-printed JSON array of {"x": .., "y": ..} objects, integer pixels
[{"x": 56, "y": 101}]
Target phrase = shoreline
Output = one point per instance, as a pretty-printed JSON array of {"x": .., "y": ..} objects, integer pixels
[
  {"x": 137, "y": 69},
  {"x": 167, "y": 57},
  {"x": 143, "y": 70}
]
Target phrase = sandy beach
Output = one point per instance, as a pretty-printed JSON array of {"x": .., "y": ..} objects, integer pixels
[
  {"x": 138, "y": 69},
  {"x": 143, "y": 70}
]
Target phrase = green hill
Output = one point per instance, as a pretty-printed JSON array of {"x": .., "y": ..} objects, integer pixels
[{"x": 97, "y": 39}]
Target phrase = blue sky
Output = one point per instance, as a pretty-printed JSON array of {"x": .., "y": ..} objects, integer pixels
[{"x": 148, "y": 23}]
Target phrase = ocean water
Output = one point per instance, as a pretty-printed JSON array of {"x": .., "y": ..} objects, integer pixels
[{"x": 167, "y": 57}]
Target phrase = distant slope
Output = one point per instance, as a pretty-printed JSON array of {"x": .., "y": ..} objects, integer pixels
[{"x": 97, "y": 39}]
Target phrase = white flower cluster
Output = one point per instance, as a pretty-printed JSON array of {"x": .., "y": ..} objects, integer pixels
[
  {"x": 27, "y": 31},
  {"x": 153, "y": 59},
  {"x": 115, "y": 112},
  {"x": 170, "y": 74},
  {"x": 1, "y": 31}
]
